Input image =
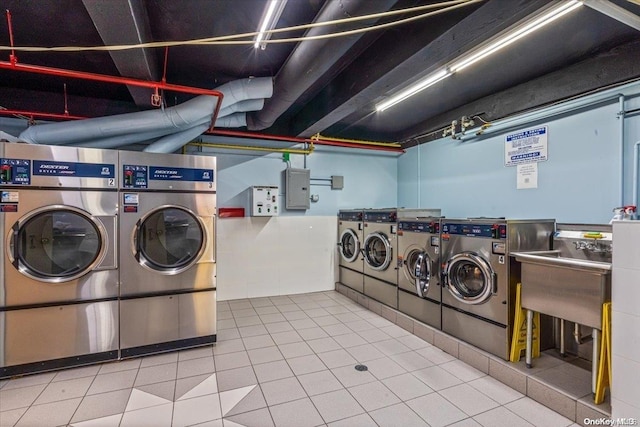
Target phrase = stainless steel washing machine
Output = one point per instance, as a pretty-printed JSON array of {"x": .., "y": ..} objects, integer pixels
[
  {"x": 378, "y": 249},
  {"x": 419, "y": 291},
  {"x": 59, "y": 289},
  {"x": 479, "y": 276},
  {"x": 350, "y": 239},
  {"x": 167, "y": 252}
]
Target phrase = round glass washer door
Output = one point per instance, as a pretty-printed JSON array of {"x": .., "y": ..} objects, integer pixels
[
  {"x": 57, "y": 244},
  {"x": 349, "y": 245},
  {"x": 377, "y": 251},
  {"x": 471, "y": 279},
  {"x": 169, "y": 240}
]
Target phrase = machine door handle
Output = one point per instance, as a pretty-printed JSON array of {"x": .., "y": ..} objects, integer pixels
[
  {"x": 15, "y": 235},
  {"x": 494, "y": 279},
  {"x": 422, "y": 280}
]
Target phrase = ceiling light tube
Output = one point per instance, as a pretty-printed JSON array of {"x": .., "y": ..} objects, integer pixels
[
  {"x": 412, "y": 90},
  {"x": 269, "y": 20},
  {"x": 515, "y": 35},
  {"x": 478, "y": 54}
]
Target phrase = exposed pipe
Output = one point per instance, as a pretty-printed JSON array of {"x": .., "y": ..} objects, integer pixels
[
  {"x": 296, "y": 140},
  {"x": 305, "y": 65},
  {"x": 357, "y": 141},
  {"x": 33, "y": 114},
  {"x": 621, "y": 146},
  {"x": 305, "y": 151},
  {"x": 636, "y": 151},
  {"x": 547, "y": 112},
  {"x": 165, "y": 129}
]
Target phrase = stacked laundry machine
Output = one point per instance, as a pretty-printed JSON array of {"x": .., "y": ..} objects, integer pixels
[
  {"x": 419, "y": 290},
  {"x": 479, "y": 276},
  {"x": 106, "y": 255},
  {"x": 59, "y": 280},
  {"x": 379, "y": 249},
  {"x": 167, "y": 252}
]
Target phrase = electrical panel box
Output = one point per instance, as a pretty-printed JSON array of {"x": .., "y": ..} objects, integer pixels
[
  {"x": 264, "y": 201},
  {"x": 297, "y": 191},
  {"x": 337, "y": 182}
]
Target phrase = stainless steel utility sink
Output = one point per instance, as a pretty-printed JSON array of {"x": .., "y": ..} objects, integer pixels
[{"x": 572, "y": 281}]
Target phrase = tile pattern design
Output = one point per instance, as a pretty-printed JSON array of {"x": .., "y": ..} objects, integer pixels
[{"x": 293, "y": 368}]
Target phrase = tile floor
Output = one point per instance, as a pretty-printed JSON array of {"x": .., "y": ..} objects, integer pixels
[{"x": 279, "y": 361}]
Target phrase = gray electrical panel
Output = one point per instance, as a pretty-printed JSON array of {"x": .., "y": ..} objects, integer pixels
[
  {"x": 337, "y": 182},
  {"x": 297, "y": 191}
]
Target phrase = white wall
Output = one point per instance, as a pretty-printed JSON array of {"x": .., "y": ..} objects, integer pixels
[
  {"x": 275, "y": 256},
  {"x": 296, "y": 251},
  {"x": 625, "y": 395}
]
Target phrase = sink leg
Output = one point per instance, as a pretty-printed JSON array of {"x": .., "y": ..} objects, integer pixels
[
  {"x": 562, "y": 346},
  {"x": 529, "y": 346},
  {"x": 595, "y": 359}
]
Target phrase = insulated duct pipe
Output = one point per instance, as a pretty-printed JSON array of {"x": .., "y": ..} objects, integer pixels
[
  {"x": 621, "y": 146},
  {"x": 170, "y": 123},
  {"x": 636, "y": 152},
  {"x": 544, "y": 113},
  {"x": 312, "y": 59}
]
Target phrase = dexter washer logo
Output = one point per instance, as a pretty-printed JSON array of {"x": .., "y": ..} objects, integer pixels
[
  {"x": 106, "y": 171},
  {"x": 205, "y": 175}
]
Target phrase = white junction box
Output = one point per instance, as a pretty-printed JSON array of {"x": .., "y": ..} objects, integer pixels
[{"x": 264, "y": 200}]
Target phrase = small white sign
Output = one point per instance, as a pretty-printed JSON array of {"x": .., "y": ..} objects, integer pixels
[
  {"x": 131, "y": 198},
  {"x": 10, "y": 197},
  {"x": 527, "y": 176},
  {"x": 528, "y": 146}
]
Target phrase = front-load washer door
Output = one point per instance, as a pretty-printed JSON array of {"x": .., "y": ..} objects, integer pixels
[
  {"x": 470, "y": 278},
  {"x": 349, "y": 246},
  {"x": 377, "y": 251},
  {"x": 169, "y": 239},
  {"x": 417, "y": 269},
  {"x": 57, "y": 244}
]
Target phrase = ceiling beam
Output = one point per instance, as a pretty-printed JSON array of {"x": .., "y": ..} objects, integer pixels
[
  {"x": 333, "y": 104},
  {"x": 121, "y": 22},
  {"x": 614, "y": 11}
]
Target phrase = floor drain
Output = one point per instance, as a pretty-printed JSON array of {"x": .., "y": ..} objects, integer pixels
[{"x": 361, "y": 368}]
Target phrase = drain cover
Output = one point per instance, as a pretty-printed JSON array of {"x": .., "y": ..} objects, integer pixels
[{"x": 361, "y": 368}]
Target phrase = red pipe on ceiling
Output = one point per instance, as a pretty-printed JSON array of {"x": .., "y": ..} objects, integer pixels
[
  {"x": 58, "y": 72},
  {"x": 296, "y": 140},
  {"x": 32, "y": 114}
]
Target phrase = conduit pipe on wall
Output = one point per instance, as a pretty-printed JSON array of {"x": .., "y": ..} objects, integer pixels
[
  {"x": 636, "y": 152},
  {"x": 621, "y": 146},
  {"x": 297, "y": 140},
  {"x": 305, "y": 151},
  {"x": 547, "y": 112}
]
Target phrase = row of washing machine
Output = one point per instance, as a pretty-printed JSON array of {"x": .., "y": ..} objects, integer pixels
[
  {"x": 105, "y": 254},
  {"x": 456, "y": 275}
]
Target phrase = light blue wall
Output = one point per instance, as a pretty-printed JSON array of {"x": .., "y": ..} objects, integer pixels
[
  {"x": 370, "y": 178},
  {"x": 579, "y": 183}
]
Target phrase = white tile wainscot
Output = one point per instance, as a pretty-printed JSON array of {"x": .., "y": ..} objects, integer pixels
[
  {"x": 282, "y": 255},
  {"x": 625, "y": 393}
]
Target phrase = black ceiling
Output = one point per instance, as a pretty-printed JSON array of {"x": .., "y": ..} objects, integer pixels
[{"x": 338, "y": 81}]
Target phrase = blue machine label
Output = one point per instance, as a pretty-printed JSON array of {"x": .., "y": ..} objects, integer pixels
[
  {"x": 135, "y": 176},
  {"x": 495, "y": 231},
  {"x": 15, "y": 172},
  {"x": 80, "y": 170},
  {"x": 163, "y": 173}
]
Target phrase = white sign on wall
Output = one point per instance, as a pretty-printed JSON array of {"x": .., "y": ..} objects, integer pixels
[
  {"x": 528, "y": 146},
  {"x": 527, "y": 176}
]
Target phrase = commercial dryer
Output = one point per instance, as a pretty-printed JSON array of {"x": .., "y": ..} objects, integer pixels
[
  {"x": 479, "y": 276},
  {"x": 350, "y": 238},
  {"x": 419, "y": 291},
  {"x": 167, "y": 252},
  {"x": 59, "y": 289}
]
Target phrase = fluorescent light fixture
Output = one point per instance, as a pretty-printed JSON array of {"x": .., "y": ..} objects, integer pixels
[
  {"x": 269, "y": 20},
  {"x": 515, "y": 35},
  {"x": 412, "y": 90},
  {"x": 477, "y": 54}
]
